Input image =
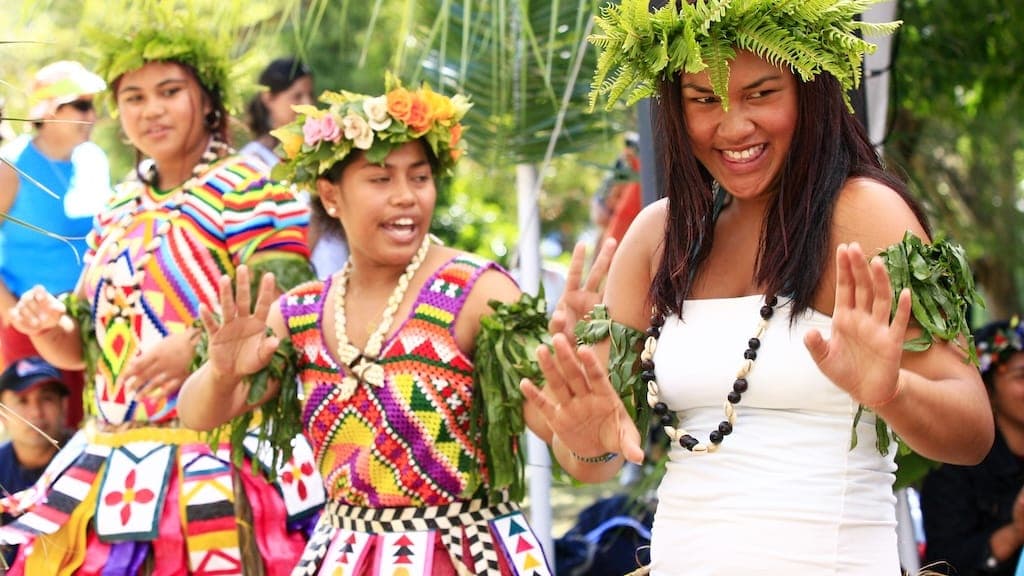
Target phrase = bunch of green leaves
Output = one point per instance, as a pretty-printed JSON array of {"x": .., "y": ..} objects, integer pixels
[
  {"x": 640, "y": 49},
  {"x": 505, "y": 354},
  {"x": 81, "y": 313},
  {"x": 623, "y": 359},
  {"x": 278, "y": 418},
  {"x": 941, "y": 289}
]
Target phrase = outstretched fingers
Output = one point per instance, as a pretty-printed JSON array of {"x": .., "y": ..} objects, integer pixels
[
  {"x": 265, "y": 298},
  {"x": 243, "y": 293},
  {"x": 226, "y": 293},
  {"x": 599, "y": 271}
]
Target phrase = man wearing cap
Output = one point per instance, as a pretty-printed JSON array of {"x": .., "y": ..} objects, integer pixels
[
  {"x": 35, "y": 401},
  {"x": 56, "y": 181}
]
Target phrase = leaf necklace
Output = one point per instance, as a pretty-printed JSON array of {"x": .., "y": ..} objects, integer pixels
[{"x": 362, "y": 365}]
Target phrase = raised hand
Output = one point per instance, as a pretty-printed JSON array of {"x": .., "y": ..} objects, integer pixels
[
  {"x": 864, "y": 352},
  {"x": 581, "y": 295},
  {"x": 163, "y": 368},
  {"x": 36, "y": 312},
  {"x": 580, "y": 404},
  {"x": 238, "y": 341}
]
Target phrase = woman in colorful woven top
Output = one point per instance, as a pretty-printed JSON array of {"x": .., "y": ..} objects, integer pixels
[
  {"x": 134, "y": 492},
  {"x": 765, "y": 287},
  {"x": 387, "y": 354}
]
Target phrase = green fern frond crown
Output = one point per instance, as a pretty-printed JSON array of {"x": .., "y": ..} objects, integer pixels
[{"x": 639, "y": 48}]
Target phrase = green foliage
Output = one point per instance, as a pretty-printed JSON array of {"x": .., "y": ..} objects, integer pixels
[
  {"x": 957, "y": 132},
  {"x": 505, "y": 354},
  {"x": 625, "y": 345},
  {"x": 639, "y": 49}
]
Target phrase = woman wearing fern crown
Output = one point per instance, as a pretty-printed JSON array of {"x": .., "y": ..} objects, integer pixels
[
  {"x": 136, "y": 493},
  {"x": 413, "y": 420},
  {"x": 771, "y": 323}
]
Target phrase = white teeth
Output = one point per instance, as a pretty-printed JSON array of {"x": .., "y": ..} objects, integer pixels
[
  {"x": 743, "y": 154},
  {"x": 403, "y": 222}
]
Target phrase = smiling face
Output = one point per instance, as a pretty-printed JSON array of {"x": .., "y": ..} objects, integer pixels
[
  {"x": 386, "y": 208},
  {"x": 162, "y": 108},
  {"x": 745, "y": 147}
]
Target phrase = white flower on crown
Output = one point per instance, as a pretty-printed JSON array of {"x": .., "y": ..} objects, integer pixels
[
  {"x": 376, "y": 110},
  {"x": 357, "y": 130}
]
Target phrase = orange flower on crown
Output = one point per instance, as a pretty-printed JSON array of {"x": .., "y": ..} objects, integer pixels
[
  {"x": 399, "y": 104},
  {"x": 456, "y": 133},
  {"x": 419, "y": 118}
]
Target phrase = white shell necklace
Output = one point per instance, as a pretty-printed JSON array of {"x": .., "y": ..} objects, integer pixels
[{"x": 362, "y": 365}]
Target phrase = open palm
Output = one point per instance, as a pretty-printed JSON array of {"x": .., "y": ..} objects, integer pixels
[
  {"x": 865, "y": 349},
  {"x": 239, "y": 343},
  {"x": 580, "y": 404}
]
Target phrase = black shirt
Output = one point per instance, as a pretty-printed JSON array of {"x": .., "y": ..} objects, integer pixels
[
  {"x": 963, "y": 505},
  {"x": 13, "y": 478}
]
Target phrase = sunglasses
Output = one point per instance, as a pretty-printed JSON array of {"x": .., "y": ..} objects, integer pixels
[{"x": 80, "y": 105}]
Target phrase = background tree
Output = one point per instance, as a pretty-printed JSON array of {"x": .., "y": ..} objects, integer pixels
[{"x": 958, "y": 80}]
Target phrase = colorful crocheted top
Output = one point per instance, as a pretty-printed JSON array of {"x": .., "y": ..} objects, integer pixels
[
  {"x": 153, "y": 258},
  {"x": 408, "y": 442}
]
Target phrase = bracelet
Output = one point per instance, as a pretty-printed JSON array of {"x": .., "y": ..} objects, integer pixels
[{"x": 606, "y": 457}]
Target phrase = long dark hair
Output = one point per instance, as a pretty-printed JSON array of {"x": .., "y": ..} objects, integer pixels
[
  {"x": 829, "y": 147},
  {"x": 277, "y": 77}
]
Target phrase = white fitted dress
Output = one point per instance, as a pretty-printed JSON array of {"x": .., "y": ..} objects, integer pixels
[{"x": 784, "y": 494}]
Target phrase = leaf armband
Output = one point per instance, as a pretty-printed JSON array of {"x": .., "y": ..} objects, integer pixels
[
  {"x": 941, "y": 290},
  {"x": 623, "y": 359}
]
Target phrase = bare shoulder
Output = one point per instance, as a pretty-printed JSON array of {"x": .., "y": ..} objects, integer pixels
[{"x": 874, "y": 215}]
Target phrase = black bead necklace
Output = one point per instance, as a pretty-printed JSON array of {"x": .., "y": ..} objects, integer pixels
[{"x": 669, "y": 419}]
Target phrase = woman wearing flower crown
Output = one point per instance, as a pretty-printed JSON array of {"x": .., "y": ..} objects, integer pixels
[
  {"x": 974, "y": 515},
  {"x": 386, "y": 353},
  {"x": 135, "y": 493},
  {"x": 767, "y": 316}
]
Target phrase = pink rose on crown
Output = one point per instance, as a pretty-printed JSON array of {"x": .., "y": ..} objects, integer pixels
[{"x": 316, "y": 130}]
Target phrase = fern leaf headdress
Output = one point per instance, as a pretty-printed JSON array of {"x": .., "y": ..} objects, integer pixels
[
  {"x": 200, "y": 34},
  {"x": 640, "y": 48}
]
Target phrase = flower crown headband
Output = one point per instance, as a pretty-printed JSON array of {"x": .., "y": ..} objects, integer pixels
[
  {"x": 318, "y": 138},
  {"x": 998, "y": 341},
  {"x": 639, "y": 48}
]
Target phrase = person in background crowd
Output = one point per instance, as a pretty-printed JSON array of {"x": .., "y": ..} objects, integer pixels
[
  {"x": 974, "y": 515},
  {"x": 288, "y": 82},
  {"x": 57, "y": 181},
  {"x": 34, "y": 402}
]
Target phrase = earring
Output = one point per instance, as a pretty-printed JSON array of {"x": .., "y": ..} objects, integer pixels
[
  {"x": 332, "y": 211},
  {"x": 213, "y": 120}
]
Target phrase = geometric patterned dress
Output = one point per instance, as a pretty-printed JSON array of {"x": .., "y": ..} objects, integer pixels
[
  {"x": 134, "y": 492},
  {"x": 404, "y": 471}
]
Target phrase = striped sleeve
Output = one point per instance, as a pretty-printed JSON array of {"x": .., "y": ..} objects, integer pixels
[{"x": 262, "y": 217}]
